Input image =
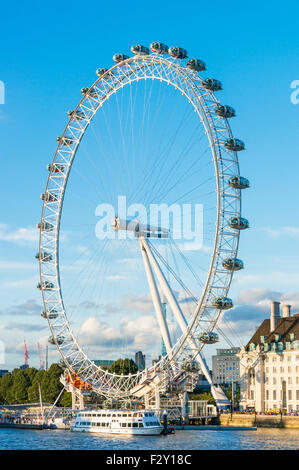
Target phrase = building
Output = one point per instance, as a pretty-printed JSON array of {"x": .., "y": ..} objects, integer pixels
[
  {"x": 140, "y": 360},
  {"x": 226, "y": 366},
  {"x": 269, "y": 364},
  {"x": 3, "y": 372}
]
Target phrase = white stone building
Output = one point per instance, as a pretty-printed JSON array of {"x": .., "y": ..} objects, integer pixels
[{"x": 269, "y": 364}]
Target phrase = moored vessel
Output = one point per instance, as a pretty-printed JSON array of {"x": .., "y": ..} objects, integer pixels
[{"x": 127, "y": 422}]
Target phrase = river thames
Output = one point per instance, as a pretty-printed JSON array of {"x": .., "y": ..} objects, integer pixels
[{"x": 261, "y": 439}]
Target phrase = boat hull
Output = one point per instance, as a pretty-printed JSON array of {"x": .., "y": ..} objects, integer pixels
[{"x": 124, "y": 432}]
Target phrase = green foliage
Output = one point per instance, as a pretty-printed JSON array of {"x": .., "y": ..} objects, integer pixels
[
  {"x": 66, "y": 400},
  {"x": 123, "y": 367},
  {"x": 22, "y": 386},
  {"x": 202, "y": 396}
]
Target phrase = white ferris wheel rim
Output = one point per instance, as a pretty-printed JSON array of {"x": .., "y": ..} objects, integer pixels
[{"x": 226, "y": 241}]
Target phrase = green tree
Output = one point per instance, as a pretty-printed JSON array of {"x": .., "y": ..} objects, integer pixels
[
  {"x": 33, "y": 390},
  {"x": 123, "y": 367},
  {"x": 20, "y": 386},
  {"x": 203, "y": 396},
  {"x": 66, "y": 399},
  {"x": 5, "y": 387}
]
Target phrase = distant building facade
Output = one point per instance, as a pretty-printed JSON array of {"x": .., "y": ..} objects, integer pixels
[
  {"x": 140, "y": 360},
  {"x": 269, "y": 364},
  {"x": 226, "y": 366}
]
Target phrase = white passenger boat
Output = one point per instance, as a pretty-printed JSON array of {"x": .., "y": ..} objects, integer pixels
[{"x": 128, "y": 422}]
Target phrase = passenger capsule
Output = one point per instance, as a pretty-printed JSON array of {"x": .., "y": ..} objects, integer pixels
[
  {"x": 45, "y": 226},
  {"x": 189, "y": 366},
  {"x": 45, "y": 285},
  {"x": 65, "y": 140},
  {"x": 51, "y": 314},
  {"x": 222, "y": 303},
  {"x": 239, "y": 182},
  {"x": 49, "y": 197},
  {"x": 89, "y": 92},
  {"x": 239, "y": 223},
  {"x": 234, "y": 144},
  {"x": 101, "y": 72},
  {"x": 233, "y": 264},
  {"x": 196, "y": 64},
  {"x": 138, "y": 49},
  {"x": 208, "y": 338},
  {"x": 55, "y": 168},
  {"x": 159, "y": 48},
  {"x": 78, "y": 115},
  {"x": 225, "y": 111},
  {"x": 178, "y": 52},
  {"x": 59, "y": 340},
  {"x": 44, "y": 256},
  {"x": 212, "y": 84},
  {"x": 120, "y": 57}
]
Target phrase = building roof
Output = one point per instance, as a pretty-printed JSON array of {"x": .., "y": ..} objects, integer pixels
[{"x": 285, "y": 326}]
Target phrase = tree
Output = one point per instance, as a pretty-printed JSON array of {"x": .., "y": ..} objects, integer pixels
[
  {"x": 20, "y": 387},
  {"x": 203, "y": 396},
  {"x": 33, "y": 390},
  {"x": 123, "y": 367},
  {"x": 5, "y": 387},
  {"x": 66, "y": 399}
]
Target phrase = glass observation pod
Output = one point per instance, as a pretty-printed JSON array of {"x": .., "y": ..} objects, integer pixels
[
  {"x": 120, "y": 57},
  {"x": 59, "y": 340},
  {"x": 189, "y": 366},
  {"x": 89, "y": 91},
  {"x": 159, "y": 48},
  {"x": 44, "y": 256},
  {"x": 78, "y": 115},
  {"x": 51, "y": 314},
  {"x": 222, "y": 303},
  {"x": 225, "y": 111},
  {"x": 233, "y": 264},
  {"x": 208, "y": 337},
  {"x": 45, "y": 226},
  {"x": 212, "y": 84},
  {"x": 55, "y": 168},
  {"x": 178, "y": 52},
  {"x": 45, "y": 285},
  {"x": 238, "y": 223},
  {"x": 49, "y": 197},
  {"x": 139, "y": 49},
  {"x": 239, "y": 182},
  {"x": 102, "y": 71},
  {"x": 64, "y": 140},
  {"x": 196, "y": 64},
  {"x": 234, "y": 144}
]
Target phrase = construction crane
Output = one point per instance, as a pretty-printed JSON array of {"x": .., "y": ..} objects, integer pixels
[{"x": 41, "y": 362}]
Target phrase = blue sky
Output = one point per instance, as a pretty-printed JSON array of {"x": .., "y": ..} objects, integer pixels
[{"x": 49, "y": 51}]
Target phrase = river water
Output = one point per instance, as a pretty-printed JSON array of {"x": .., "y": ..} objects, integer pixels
[{"x": 279, "y": 439}]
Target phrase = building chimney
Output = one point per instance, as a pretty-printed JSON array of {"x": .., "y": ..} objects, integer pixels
[
  {"x": 286, "y": 311},
  {"x": 275, "y": 315}
]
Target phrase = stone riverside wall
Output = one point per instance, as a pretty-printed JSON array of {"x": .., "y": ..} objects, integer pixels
[{"x": 266, "y": 421}]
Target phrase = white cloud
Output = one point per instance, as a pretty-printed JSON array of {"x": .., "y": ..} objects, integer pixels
[
  {"x": 287, "y": 231},
  {"x": 20, "y": 236}
]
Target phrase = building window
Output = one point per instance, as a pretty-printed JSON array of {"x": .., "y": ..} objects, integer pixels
[
  {"x": 290, "y": 394},
  {"x": 274, "y": 394}
]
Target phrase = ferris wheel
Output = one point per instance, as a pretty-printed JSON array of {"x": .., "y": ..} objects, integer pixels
[{"x": 163, "y": 136}]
